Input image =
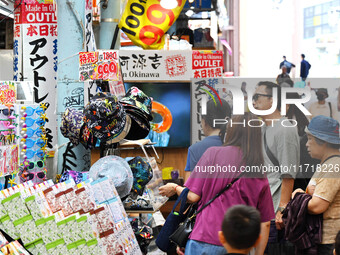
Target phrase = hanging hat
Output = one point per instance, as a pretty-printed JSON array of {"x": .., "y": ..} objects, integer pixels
[
  {"x": 116, "y": 169},
  {"x": 106, "y": 118},
  {"x": 140, "y": 126},
  {"x": 71, "y": 124},
  {"x": 136, "y": 99},
  {"x": 86, "y": 137},
  {"x": 142, "y": 174}
]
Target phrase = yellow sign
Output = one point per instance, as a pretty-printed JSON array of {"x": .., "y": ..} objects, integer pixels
[{"x": 145, "y": 22}]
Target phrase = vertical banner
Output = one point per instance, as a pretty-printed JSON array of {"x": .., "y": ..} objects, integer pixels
[
  {"x": 17, "y": 46},
  {"x": 207, "y": 64},
  {"x": 89, "y": 34},
  {"x": 36, "y": 23}
]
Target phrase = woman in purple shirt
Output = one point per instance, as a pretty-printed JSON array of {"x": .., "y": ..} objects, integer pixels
[{"x": 217, "y": 167}]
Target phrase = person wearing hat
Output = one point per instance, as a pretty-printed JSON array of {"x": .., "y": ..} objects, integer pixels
[
  {"x": 322, "y": 107},
  {"x": 324, "y": 187}
]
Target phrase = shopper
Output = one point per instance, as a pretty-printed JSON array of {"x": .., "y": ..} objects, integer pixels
[
  {"x": 323, "y": 107},
  {"x": 324, "y": 143},
  {"x": 283, "y": 79},
  {"x": 242, "y": 149},
  {"x": 214, "y": 137},
  {"x": 286, "y": 63},
  {"x": 241, "y": 228},
  {"x": 283, "y": 151},
  {"x": 304, "y": 68}
]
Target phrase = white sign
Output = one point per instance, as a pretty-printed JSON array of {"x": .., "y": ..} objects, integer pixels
[{"x": 156, "y": 65}]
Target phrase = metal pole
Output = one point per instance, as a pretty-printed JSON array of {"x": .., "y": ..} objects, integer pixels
[
  {"x": 110, "y": 15},
  {"x": 70, "y": 91}
]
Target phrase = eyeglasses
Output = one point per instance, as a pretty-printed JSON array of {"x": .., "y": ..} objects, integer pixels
[
  {"x": 29, "y": 111},
  {"x": 30, "y": 153},
  {"x": 6, "y": 112},
  {"x": 257, "y": 95},
  {"x": 30, "y": 122},
  {"x": 30, "y": 132},
  {"x": 30, "y": 175},
  {"x": 30, "y": 142},
  {"x": 38, "y": 164}
]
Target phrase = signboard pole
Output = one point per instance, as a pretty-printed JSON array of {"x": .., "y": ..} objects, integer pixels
[
  {"x": 71, "y": 40},
  {"x": 110, "y": 16}
]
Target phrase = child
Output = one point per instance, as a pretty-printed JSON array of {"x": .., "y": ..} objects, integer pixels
[{"x": 240, "y": 229}]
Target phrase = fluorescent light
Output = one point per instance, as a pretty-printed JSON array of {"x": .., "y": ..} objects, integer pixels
[{"x": 169, "y": 4}]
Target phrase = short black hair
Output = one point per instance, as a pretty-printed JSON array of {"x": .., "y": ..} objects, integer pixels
[
  {"x": 303, "y": 55},
  {"x": 269, "y": 88},
  {"x": 284, "y": 56},
  {"x": 241, "y": 226},
  {"x": 337, "y": 244},
  {"x": 216, "y": 110}
]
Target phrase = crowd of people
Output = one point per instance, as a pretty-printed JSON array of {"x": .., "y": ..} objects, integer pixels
[{"x": 296, "y": 203}]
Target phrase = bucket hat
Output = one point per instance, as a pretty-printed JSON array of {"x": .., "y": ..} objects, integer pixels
[
  {"x": 139, "y": 101},
  {"x": 106, "y": 118},
  {"x": 71, "y": 124},
  {"x": 324, "y": 128},
  {"x": 116, "y": 169},
  {"x": 142, "y": 174}
]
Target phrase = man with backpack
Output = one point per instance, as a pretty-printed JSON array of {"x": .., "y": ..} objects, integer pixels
[{"x": 286, "y": 63}]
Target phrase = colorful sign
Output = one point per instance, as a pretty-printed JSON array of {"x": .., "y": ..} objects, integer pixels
[
  {"x": 207, "y": 64},
  {"x": 156, "y": 65},
  {"x": 146, "y": 22},
  {"x": 8, "y": 93},
  {"x": 8, "y": 159},
  {"x": 35, "y": 39},
  {"x": 98, "y": 65}
]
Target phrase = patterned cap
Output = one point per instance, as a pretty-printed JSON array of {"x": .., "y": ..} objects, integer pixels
[
  {"x": 71, "y": 123},
  {"x": 142, "y": 174},
  {"x": 106, "y": 118},
  {"x": 136, "y": 99}
]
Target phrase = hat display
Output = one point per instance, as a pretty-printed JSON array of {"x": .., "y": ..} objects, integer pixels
[
  {"x": 138, "y": 106},
  {"x": 142, "y": 174},
  {"x": 136, "y": 99},
  {"x": 324, "y": 128},
  {"x": 106, "y": 118},
  {"x": 71, "y": 124},
  {"x": 116, "y": 169}
]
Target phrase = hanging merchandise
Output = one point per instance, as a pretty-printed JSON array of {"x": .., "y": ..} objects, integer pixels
[
  {"x": 146, "y": 22},
  {"x": 106, "y": 118},
  {"x": 71, "y": 124},
  {"x": 138, "y": 106},
  {"x": 117, "y": 170},
  {"x": 33, "y": 142},
  {"x": 142, "y": 174}
]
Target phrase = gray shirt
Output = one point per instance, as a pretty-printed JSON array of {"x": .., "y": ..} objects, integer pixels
[{"x": 284, "y": 143}]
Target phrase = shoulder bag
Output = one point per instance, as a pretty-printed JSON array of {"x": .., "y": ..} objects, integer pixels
[
  {"x": 173, "y": 220},
  {"x": 181, "y": 234}
]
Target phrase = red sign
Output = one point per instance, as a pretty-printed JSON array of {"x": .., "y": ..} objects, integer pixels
[
  {"x": 35, "y": 13},
  {"x": 207, "y": 64}
]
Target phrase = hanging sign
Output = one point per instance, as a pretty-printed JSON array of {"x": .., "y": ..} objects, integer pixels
[
  {"x": 36, "y": 26},
  {"x": 207, "y": 64},
  {"x": 145, "y": 22},
  {"x": 155, "y": 65},
  {"x": 7, "y": 92},
  {"x": 98, "y": 65}
]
